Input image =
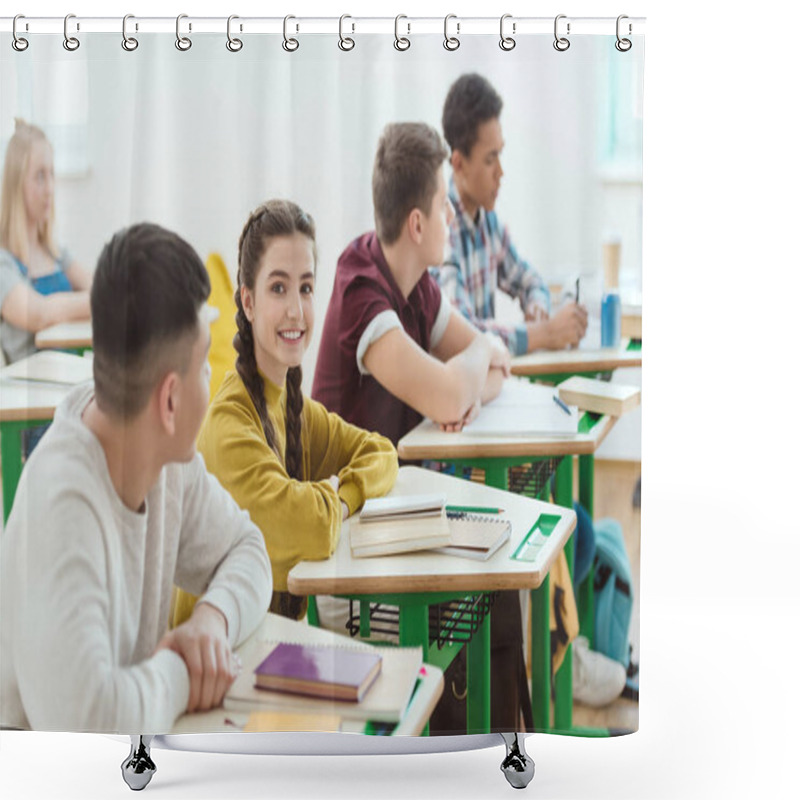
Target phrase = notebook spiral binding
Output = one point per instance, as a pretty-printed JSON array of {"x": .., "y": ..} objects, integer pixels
[
  {"x": 290, "y": 44},
  {"x": 472, "y": 517}
]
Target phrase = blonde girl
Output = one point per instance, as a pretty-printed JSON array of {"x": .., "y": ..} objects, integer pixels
[{"x": 40, "y": 284}]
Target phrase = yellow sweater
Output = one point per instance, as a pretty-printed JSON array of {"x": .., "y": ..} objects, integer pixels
[{"x": 300, "y": 520}]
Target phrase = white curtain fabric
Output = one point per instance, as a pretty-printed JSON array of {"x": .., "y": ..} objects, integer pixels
[{"x": 194, "y": 140}]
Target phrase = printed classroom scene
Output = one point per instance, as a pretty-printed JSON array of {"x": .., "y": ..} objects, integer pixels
[{"x": 321, "y": 411}]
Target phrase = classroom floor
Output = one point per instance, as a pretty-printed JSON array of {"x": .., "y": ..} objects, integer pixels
[{"x": 614, "y": 484}]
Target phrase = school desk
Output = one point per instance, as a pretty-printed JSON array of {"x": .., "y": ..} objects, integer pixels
[
  {"x": 418, "y": 581},
  {"x": 23, "y": 405},
  {"x": 78, "y": 335},
  {"x": 495, "y": 455},
  {"x": 554, "y": 367},
  {"x": 66, "y": 336},
  {"x": 426, "y": 694}
]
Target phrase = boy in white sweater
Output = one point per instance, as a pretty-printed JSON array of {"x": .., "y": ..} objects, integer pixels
[{"x": 115, "y": 506}]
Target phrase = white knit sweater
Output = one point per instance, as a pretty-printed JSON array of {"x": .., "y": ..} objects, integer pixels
[{"x": 86, "y": 585}]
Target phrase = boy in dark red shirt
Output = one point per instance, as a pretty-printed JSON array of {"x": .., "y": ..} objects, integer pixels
[
  {"x": 391, "y": 350},
  {"x": 392, "y": 353}
]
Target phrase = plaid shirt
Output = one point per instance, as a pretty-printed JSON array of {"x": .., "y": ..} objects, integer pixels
[{"x": 481, "y": 258}]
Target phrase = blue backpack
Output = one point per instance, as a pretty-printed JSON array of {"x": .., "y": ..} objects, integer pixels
[{"x": 613, "y": 592}]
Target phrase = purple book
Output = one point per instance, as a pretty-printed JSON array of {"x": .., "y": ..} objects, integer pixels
[{"x": 319, "y": 670}]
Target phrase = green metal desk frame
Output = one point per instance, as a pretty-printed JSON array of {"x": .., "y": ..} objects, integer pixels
[
  {"x": 414, "y": 632},
  {"x": 11, "y": 454},
  {"x": 496, "y": 471}
]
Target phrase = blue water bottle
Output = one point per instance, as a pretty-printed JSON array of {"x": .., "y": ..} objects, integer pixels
[{"x": 611, "y": 320}]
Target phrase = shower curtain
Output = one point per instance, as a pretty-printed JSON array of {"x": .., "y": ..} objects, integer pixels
[{"x": 194, "y": 138}]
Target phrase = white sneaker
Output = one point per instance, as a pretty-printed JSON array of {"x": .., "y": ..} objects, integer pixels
[{"x": 597, "y": 680}]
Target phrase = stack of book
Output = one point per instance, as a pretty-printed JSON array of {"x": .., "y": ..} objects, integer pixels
[{"x": 394, "y": 525}]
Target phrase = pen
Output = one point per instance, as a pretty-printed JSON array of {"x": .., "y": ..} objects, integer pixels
[
  {"x": 559, "y": 402},
  {"x": 577, "y": 289},
  {"x": 473, "y": 510}
]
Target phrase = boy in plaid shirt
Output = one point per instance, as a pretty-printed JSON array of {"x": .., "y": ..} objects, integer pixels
[{"x": 482, "y": 256}]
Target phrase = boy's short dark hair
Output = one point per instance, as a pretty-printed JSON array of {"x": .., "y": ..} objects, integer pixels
[
  {"x": 147, "y": 291},
  {"x": 471, "y": 101},
  {"x": 407, "y": 162}
]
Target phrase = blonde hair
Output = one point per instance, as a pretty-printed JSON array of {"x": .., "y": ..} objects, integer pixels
[{"x": 13, "y": 216}]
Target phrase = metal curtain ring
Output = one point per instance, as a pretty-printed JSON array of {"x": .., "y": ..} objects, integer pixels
[
  {"x": 234, "y": 45},
  {"x": 128, "y": 42},
  {"x": 183, "y": 43},
  {"x": 71, "y": 43},
  {"x": 451, "y": 42},
  {"x": 289, "y": 45},
  {"x": 561, "y": 43},
  {"x": 507, "y": 42},
  {"x": 18, "y": 42},
  {"x": 346, "y": 43},
  {"x": 401, "y": 42},
  {"x": 623, "y": 45}
]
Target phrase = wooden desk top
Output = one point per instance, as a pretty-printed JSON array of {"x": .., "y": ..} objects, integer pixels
[
  {"x": 554, "y": 362},
  {"x": 279, "y": 628},
  {"x": 30, "y": 389},
  {"x": 26, "y": 400},
  {"x": 65, "y": 335},
  {"x": 79, "y": 334},
  {"x": 434, "y": 572},
  {"x": 427, "y": 440}
]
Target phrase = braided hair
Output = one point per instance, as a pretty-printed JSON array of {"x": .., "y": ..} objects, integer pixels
[{"x": 271, "y": 219}]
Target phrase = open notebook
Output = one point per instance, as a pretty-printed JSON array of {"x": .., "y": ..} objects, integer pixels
[{"x": 524, "y": 408}]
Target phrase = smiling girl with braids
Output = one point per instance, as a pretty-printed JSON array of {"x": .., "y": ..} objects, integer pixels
[{"x": 298, "y": 469}]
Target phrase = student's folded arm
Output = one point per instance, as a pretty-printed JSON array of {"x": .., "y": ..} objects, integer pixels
[
  {"x": 27, "y": 309},
  {"x": 80, "y": 279},
  {"x": 365, "y": 462},
  {"x": 494, "y": 383},
  {"x": 298, "y": 519},
  {"x": 63, "y": 636},
  {"x": 222, "y": 554},
  {"x": 442, "y": 391}
]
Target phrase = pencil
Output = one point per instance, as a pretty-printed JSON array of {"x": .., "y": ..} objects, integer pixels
[{"x": 473, "y": 510}]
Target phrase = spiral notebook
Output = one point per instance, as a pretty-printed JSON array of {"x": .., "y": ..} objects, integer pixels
[{"x": 475, "y": 536}]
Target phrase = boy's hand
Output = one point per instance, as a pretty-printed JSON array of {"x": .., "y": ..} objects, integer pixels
[
  {"x": 536, "y": 313},
  {"x": 567, "y": 327},
  {"x": 500, "y": 357},
  {"x": 470, "y": 416},
  {"x": 202, "y": 642}
]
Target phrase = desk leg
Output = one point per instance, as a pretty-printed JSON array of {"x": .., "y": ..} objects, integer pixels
[
  {"x": 540, "y": 661},
  {"x": 586, "y": 589},
  {"x": 479, "y": 679},
  {"x": 11, "y": 454},
  {"x": 413, "y": 632},
  {"x": 497, "y": 475},
  {"x": 563, "y": 679}
]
